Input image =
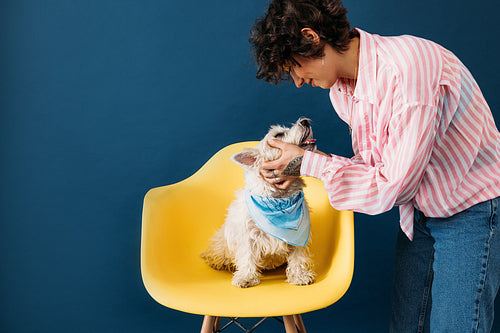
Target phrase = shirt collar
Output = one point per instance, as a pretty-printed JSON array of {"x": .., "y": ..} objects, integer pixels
[{"x": 367, "y": 70}]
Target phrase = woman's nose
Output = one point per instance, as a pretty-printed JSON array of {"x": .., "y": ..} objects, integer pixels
[{"x": 299, "y": 82}]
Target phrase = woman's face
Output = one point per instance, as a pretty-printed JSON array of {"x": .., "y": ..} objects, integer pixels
[{"x": 317, "y": 72}]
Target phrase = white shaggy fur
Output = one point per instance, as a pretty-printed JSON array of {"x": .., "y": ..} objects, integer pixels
[{"x": 240, "y": 245}]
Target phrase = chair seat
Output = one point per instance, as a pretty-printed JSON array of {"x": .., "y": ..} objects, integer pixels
[{"x": 180, "y": 219}]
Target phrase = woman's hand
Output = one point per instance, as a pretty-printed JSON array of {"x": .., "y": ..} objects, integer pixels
[{"x": 282, "y": 172}]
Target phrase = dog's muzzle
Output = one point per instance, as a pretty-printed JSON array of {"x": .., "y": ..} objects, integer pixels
[{"x": 307, "y": 142}]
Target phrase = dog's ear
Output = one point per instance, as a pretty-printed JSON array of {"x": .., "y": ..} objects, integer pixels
[{"x": 245, "y": 158}]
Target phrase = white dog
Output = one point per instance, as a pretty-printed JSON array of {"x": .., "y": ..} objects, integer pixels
[{"x": 266, "y": 227}]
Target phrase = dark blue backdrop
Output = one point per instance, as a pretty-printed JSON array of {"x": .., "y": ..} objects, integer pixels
[{"x": 103, "y": 99}]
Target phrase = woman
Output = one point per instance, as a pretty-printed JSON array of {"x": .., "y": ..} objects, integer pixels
[{"x": 424, "y": 139}]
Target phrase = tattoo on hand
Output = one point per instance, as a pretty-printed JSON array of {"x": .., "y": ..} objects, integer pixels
[{"x": 293, "y": 168}]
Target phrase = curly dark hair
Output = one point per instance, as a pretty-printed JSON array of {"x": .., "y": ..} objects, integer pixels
[{"x": 277, "y": 36}]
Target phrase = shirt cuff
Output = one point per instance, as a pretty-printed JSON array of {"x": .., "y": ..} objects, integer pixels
[{"x": 313, "y": 164}]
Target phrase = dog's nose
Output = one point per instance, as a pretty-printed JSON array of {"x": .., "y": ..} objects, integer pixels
[{"x": 304, "y": 122}]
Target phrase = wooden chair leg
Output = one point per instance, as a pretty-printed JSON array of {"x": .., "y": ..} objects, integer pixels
[
  {"x": 209, "y": 323},
  {"x": 289, "y": 324},
  {"x": 299, "y": 323},
  {"x": 217, "y": 323}
]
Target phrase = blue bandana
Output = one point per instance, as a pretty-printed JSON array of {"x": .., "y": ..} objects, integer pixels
[{"x": 286, "y": 219}]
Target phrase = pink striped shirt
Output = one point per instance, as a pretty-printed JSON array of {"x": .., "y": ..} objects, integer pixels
[{"x": 422, "y": 133}]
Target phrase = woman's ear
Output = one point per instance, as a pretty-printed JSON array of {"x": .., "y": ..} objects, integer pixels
[{"x": 311, "y": 35}]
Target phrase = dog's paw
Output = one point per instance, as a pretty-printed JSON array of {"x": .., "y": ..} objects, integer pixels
[
  {"x": 245, "y": 281},
  {"x": 300, "y": 277}
]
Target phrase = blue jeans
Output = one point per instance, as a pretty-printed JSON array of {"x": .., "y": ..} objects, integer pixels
[{"x": 447, "y": 278}]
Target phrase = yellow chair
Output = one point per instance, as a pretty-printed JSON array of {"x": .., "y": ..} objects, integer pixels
[{"x": 178, "y": 222}]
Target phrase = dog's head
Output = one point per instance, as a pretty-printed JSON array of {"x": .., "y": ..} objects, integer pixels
[{"x": 250, "y": 159}]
